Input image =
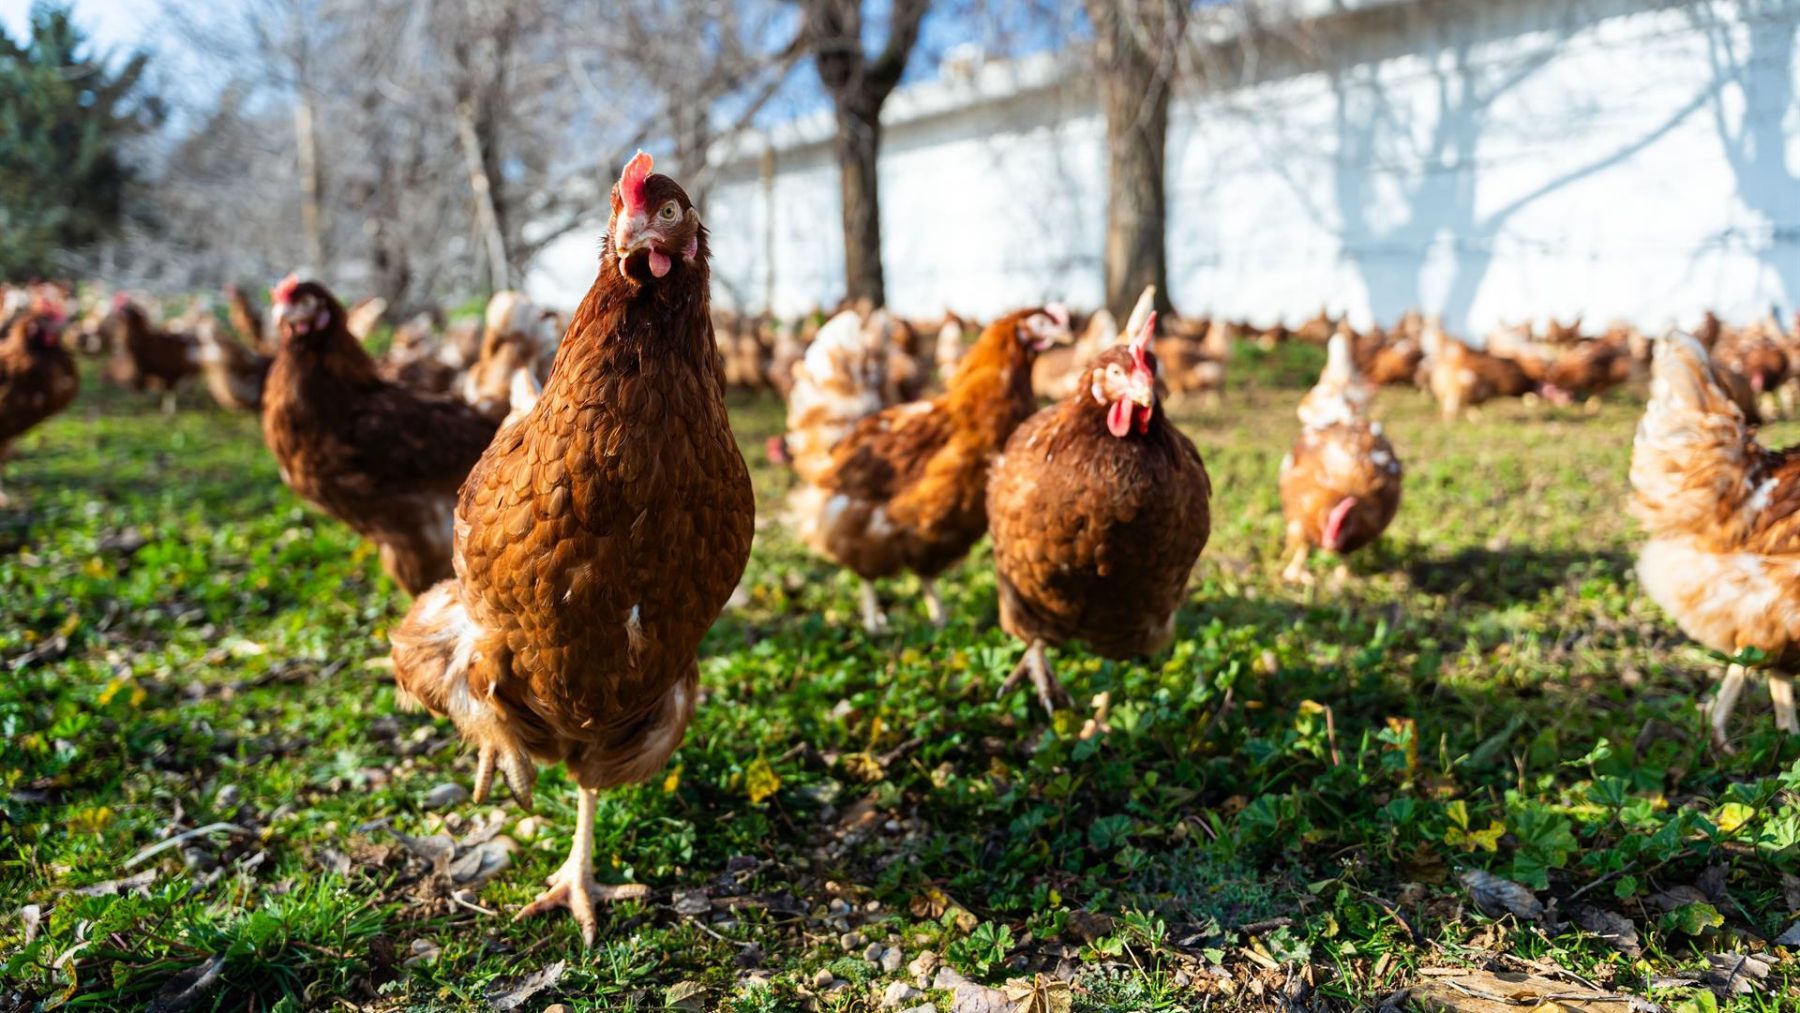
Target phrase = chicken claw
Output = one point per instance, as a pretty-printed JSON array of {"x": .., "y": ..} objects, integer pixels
[
  {"x": 1050, "y": 692},
  {"x": 573, "y": 886},
  {"x": 1296, "y": 572},
  {"x": 515, "y": 768},
  {"x": 1781, "y": 691}
]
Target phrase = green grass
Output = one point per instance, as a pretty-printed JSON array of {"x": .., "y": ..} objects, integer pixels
[{"x": 1485, "y": 689}]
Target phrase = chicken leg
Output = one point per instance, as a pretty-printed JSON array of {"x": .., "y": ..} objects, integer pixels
[
  {"x": 1050, "y": 692},
  {"x": 934, "y": 606},
  {"x": 1724, "y": 703},
  {"x": 573, "y": 885},
  {"x": 1781, "y": 691},
  {"x": 874, "y": 620},
  {"x": 1295, "y": 571}
]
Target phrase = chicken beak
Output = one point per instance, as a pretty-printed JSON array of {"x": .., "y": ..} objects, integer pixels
[{"x": 1142, "y": 390}]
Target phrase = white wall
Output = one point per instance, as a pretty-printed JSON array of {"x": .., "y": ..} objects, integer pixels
[{"x": 1633, "y": 158}]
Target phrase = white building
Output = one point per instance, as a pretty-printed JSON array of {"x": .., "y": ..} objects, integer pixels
[{"x": 1486, "y": 159}]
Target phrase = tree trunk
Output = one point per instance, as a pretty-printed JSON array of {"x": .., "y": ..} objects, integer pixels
[
  {"x": 487, "y": 215},
  {"x": 858, "y": 147},
  {"x": 312, "y": 224},
  {"x": 1135, "y": 43}
]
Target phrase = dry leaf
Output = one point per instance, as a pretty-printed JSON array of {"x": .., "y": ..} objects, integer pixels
[
  {"x": 1496, "y": 896},
  {"x": 1039, "y": 994},
  {"x": 1614, "y": 930},
  {"x": 510, "y": 994},
  {"x": 187, "y": 988},
  {"x": 1735, "y": 973}
]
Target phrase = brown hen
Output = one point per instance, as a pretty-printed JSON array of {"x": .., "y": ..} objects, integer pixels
[
  {"x": 381, "y": 458},
  {"x": 1723, "y": 516},
  {"x": 1340, "y": 485},
  {"x": 1099, "y": 509},
  {"x": 906, "y": 488},
  {"x": 597, "y": 540},
  {"x": 37, "y": 375}
]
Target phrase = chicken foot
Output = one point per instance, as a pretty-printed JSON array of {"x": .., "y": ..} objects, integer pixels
[
  {"x": 573, "y": 886},
  {"x": 1295, "y": 571},
  {"x": 1034, "y": 664}
]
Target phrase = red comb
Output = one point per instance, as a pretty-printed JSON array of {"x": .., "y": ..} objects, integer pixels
[
  {"x": 50, "y": 307},
  {"x": 283, "y": 291},
  {"x": 1140, "y": 343},
  {"x": 631, "y": 181},
  {"x": 120, "y": 300}
]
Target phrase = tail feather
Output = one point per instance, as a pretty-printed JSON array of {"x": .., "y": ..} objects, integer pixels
[
  {"x": 1693, "y": 459},
  {"x": 433, "y": 649}
]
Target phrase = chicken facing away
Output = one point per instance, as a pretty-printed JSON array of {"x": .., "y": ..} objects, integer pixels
[
  {"x": 1340, "y": 485},
  {"x": 1099, "y": 509},
  {"x": 1723, "y": 516},
  {"x": 37, "y": 374},
  {"x": 905, "y": 488},
  {"x": 596, "y": 541},
  {"x": 381, "y": 458}
]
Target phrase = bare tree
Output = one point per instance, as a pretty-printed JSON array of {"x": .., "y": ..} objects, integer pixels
[
  {"x": 1137, "y": 44},
  {"x": 859, "y": 85}
]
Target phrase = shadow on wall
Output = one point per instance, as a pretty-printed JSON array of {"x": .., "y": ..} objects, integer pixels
[
  {"x": 1434, "y": 200},
  {"x": 1752, "y": 57}
]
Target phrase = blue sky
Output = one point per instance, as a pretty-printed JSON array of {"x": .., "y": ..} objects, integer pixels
[{"x": 113, "y": 24}]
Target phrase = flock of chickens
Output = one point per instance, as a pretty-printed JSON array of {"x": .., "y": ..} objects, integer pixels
[{"x": 570, "y": 533}]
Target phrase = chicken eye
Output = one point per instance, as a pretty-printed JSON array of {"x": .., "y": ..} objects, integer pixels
[{"x": 668, "y": 212}]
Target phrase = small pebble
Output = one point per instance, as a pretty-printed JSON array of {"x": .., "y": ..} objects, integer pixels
[
  {"x": 874, "y": 952},
  {"x": 897, "y": 994},
  {"x": 851, "y": 941},
  {"x": 921, "y": 967},
  {"x": 822, "y": 978},
  {"x": 891, "y": 960},
  {"x": 526, "y": 829},
  {"x": 227, "y": 797}
]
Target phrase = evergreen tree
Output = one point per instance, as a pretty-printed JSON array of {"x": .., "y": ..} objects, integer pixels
[{"x": 65, "y": 118}]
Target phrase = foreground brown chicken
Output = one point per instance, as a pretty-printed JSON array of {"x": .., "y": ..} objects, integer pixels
[
  {"x": 597, "y": 540},
  {"x": 1340, "y": 485},
  {"x": 1723, "y": 516},
  {"x": 381, "y": 458},
  {"x": 1099, "y": 508},
  {"x": 37, "y": 375},
  {"x": 905, "y": 488}
]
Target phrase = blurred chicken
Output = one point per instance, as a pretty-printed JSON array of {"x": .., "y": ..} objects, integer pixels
[
  {"x": 248, "y": 323},
  {"x": 1340, "y": 485},
  {"x": 1059, "y": 370},
  {"x": 1099, "y": 508},
  {"x": 1461, "y": 377},
  {"x": 950, "y": 347},
  {"x": 146, "y": 358},
  {"x": 234, "y": 374},
  {"x": 380, "y": 457},
  {"x": 840, "y": 381},
  {"x": 362, "y": 319},
  {"x": 517, "y": 334},
  {"x": 905, "y": 489},
  {"x": 418, "y": 358},
  {"x": 597, "y": 540},
  {"x": 37, "y": 374},
  {"x": 1723, "y": 516}
]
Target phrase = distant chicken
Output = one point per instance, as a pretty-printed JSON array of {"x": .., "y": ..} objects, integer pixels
[
  {"x": 144, "y": 357},
  {"x": 37, "y": 375},
  {"x": 905, "y": 489},
  {"x": 1099, "y": 508},
  {"x": 380, "y": 457},
  {"x": 1723, "y": 516},
  {"x": 517, "y": 334},
  {"x": 596, "y": 542},
  {"x": 1461, "y": 377},
  {"x": 1340, "y": 485},
  {"x": 234, "y": 374},
  {"x": 419, "y": 359},
  {"x": 248, "y": 322},
  {"x": 841, "y": 380}
]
